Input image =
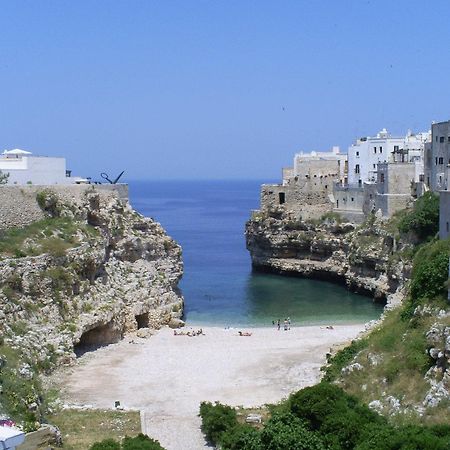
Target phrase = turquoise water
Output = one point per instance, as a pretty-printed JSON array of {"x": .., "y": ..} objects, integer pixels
[{"x": 207, "y": 218}]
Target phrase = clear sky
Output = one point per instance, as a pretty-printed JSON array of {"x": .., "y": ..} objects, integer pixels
[{"x": 216, "y": 89}]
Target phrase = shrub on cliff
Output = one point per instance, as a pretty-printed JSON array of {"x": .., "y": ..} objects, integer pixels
[
  {"x": 423, "y": 220},
  {"x": 430, "y": 271},
  {"x": 4, "y": 177}
]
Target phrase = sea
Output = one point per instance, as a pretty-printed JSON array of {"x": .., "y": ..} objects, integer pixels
[{"x": 207, "y": 218}]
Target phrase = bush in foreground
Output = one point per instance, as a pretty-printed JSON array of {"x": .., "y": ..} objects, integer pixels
[
  {"x": 140, "y": 442},
  {"x": 318, "y": 418}
]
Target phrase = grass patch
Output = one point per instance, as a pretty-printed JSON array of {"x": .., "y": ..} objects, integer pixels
[
  {"x": 53, "y": 236},
  {"x": 80, "y": 429},
  {"x": 402, "y": 361},
  {"x": 341, "y": 359}
]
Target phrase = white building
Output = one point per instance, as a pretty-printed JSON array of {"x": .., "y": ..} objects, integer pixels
[
  {"x": 24, "y": 168},
  {"x": 367, "y": 152}
]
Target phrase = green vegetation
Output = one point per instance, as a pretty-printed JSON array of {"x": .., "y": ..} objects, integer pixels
[
  {"x": 140, "y": 442},
  {"x": 341, "y": 359},
  {"x": 430, "y": 272},
  {"x": 3, "y": 177},
  {"x": 80, "y": 429},
  {"x": 318, "y": 418},
  {"x": 394, "y": 356},
  {"x": 48, "y": 202},
  {"x": 423, "y": 220},
  {"x": 20, "y": 389},
  {"x": 332, "y": 217},
  {"x": 53, "y": 236}
]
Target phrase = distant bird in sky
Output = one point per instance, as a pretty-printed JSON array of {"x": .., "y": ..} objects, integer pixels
[{"x": 283, "y": 108}]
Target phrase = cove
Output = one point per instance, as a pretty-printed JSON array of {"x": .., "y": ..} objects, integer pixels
[{"x": 207, "y": 219}]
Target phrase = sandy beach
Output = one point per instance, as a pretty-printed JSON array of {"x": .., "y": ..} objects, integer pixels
[{"x": 167, "y": 376}]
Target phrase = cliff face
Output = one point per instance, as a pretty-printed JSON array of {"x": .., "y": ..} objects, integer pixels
[
  {"x": 92, "y": 271},
  {"x": 365, "y": 258}
]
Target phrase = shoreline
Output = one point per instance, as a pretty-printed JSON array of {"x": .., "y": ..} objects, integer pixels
[{"x": 167, "y": 376}]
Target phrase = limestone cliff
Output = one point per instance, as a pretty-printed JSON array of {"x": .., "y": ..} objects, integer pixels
[
  {"x": 91, "y": 271},
  {"x": 367, "y": 258}
]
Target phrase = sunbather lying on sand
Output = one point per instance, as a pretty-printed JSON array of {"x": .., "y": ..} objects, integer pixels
[{"x": 244, "y": 333}]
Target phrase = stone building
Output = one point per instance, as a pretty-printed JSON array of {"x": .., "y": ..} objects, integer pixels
[
  {"x": 437, "y": 157},
  {"x": 444, "y": 214},
  {"x": 307, "y": 187}
]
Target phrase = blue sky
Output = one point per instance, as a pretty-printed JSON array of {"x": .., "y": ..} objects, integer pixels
[{"x": 215, "y": 89}]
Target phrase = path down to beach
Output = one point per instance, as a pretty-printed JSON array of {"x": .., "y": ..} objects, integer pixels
[{"x": 167, "y": 376}]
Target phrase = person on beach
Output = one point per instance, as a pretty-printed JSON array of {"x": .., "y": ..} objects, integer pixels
[
  {"x": 285, "y": 324},
  {"x": 278, "y": 324},
  {"x": 244, "y": 333},
  {"x": 289, "y": 323}
]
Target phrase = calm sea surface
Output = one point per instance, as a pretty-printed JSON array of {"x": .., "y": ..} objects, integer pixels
[{"x": 207, "y": 218}]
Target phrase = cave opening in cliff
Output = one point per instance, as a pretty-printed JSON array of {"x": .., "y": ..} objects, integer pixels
[
  {"x": 142, "y": 321},
  {"x": 282, "y": 197},
  {"x": 97, "y": 337}
]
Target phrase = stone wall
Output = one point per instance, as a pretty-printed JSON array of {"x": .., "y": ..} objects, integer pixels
[
  {"x": 303, "y": 199},
  {"x": 19, "y": 207},
  {"x": 349, "y": 202}
]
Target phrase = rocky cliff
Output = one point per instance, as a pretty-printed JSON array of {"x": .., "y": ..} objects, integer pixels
[
  {"x": 89, "y": 272},
  {"x": 367, "y": 258}
]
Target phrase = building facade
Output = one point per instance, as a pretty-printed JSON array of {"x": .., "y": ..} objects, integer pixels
[
  {"x": 23, "y": 168},
  {"x": 367, "y": 152},
  {"x": 437, "y": 157}
]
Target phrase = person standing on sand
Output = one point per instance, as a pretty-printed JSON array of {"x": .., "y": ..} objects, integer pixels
[
  {"x": 285, "y": 324},
  {"x": 278, "y": 324},
  {"x": 289, "y": 323}
]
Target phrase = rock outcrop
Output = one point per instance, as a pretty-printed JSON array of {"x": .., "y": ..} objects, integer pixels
[
  {"x": 365, "y": 258},
  {"x": 111, "y": 272}
]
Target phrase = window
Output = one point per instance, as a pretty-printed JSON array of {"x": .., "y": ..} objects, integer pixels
[
  {"x": 442, "y": 139},
  {"x": 374, "y": 165},
  {"x": 374, "y": 149},
  {"x": 435, "y": 160},
  {"x": 357, "y": 168},
  {"x": 422, "y": 177},
  {"x": 395, "y": 148},
  {"x": 352, "y": 198},
  {"x": 441, "y": 160},
  {"x": 447, "y": 227},
  {"x": 381, "y": 149},
  {"x": 370, "y": 196},
  {"x": 382, "y": 178},
  {"x": 448, "y": 139},
  {"x": 357, "y": 153},
  {"x": 281, "y": 197}
]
